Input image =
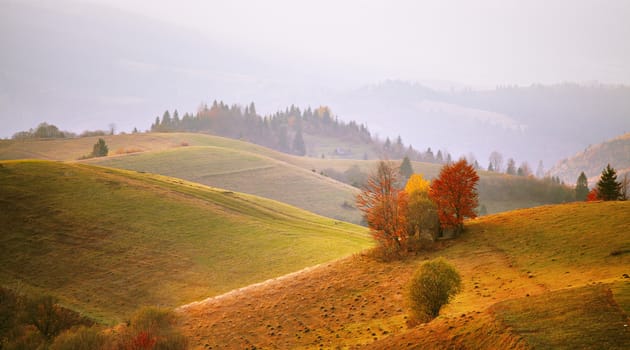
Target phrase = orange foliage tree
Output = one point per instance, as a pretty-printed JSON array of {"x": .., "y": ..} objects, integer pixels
[
  {"x": 593, "y": 195},
  {"x": 384, "y": 205},
  {"x": 455, "y": 194}
]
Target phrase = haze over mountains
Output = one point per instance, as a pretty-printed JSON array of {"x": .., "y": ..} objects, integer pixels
[{"x": 86, "y": 65}]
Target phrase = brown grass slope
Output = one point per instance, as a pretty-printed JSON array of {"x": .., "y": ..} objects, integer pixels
[{"x": 547, "y": 277}]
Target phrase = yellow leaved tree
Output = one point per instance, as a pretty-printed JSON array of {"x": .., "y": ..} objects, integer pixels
[{"x": 422, "y": 218}]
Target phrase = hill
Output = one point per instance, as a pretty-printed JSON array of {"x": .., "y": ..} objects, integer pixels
[
  {"x": 310, "y": 187},
  {"x": 546, "y": 277},
  {"x": 105, "y": 241},
  {"x": 594, "y": 159},
  {"x": 528, "y": 123}
]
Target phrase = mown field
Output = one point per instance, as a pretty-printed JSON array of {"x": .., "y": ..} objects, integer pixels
[
  {"x": 546, "y": 277},
  {"x": 106, "y": 241}
]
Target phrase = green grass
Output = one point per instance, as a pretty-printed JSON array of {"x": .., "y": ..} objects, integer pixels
[
  {"x": 232, "y": 164},
  {"x": 106, "y": 241},
  {"x": 253, "y": 173}
]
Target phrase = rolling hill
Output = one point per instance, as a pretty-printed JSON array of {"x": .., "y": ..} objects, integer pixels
[
  {"x": 546, "y": 277},
  {"x": 105, "y": 241},
  {"x": 594, "y": 159},
  {"x": 234, "y": 165}
]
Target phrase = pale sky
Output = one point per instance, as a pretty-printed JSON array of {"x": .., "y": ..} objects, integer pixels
[{"x": 479, "y": 43}]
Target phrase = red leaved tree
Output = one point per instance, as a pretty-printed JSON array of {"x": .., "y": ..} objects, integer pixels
[
  {"x": 593, "y": 195},
  {"x": 384, "y": 205},
  {"x": 455, "y": 194}
]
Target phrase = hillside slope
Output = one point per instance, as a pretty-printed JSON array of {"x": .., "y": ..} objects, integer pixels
[
  {"x": 248, "y": 172},
  {"x": 547, "y": 277},
  {"x": 106, "y": 241},
  {"x": 246, "y": 167},
  {"x": 594, "y": 159}
]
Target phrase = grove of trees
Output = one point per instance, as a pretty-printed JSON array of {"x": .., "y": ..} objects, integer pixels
[{"x": 398, "y": 216}]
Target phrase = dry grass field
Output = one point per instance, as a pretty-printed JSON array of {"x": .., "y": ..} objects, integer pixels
[{"x": 547, "y": 277}]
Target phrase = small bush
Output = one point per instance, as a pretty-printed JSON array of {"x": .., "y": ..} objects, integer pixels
[
  {"x": 153, "y": 328},
  {"x": 100, "y": 149},
  {"x": 83, "y": 338},
  {"x": 432, "y": 286}
]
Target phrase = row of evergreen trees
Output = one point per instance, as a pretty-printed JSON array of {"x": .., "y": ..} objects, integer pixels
[
  {"x": 285, "y": 130},
  {"x": 282, "y": 131},
  {"x": 608, "y": 188}
]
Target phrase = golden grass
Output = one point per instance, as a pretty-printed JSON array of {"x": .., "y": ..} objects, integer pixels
[{"x": 526, "y": 255}]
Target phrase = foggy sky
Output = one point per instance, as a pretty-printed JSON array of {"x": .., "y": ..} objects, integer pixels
[{"x": 481, "y": 43}]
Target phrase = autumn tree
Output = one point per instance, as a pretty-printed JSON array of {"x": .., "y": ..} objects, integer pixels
[
  {"x": 607, "y": 187},
  {"x": 421, "y": 211},
  {"x": 592, "y": 195},
  {"x": 581, "y": 188},
  {"x": 455, "y": 194},
  {"x": 384, "y": 206}
]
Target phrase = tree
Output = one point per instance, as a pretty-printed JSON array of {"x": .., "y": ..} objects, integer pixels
[
  {"x": 581, "y": 188},
  {"x": 439, "y": 158},
  {"x": 524, "y": 169},
  {"x": 100, "y": 149},
  {"x": 592, "y": 195},
  {"x": 455, "y": 194},
  {"x": 421, "y": 211},
  {"x": 496, "y": 159},
  {"x": 384, "y": 206},
  {"x": 540, "y": 170},
  {"x": 405, "y": 169},
  {"x": 511, "y": 167},
  {"x": 433, "y": 286},
  {"x": 607, "y": 187},
  {"x": 299, "y": 147},
  {"x": 625, "y": 182}
]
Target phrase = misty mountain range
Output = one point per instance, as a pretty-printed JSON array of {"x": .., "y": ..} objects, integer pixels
[{"x": 106, "y": 66}]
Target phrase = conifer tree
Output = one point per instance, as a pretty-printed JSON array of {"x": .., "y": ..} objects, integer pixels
[
  {"x": 100, "y": 149},
  {"x": 405, "y": 169},
  {"x": 511, "y": 167},
  {"x": 607, "y": 186},
  {"x": 581, "y": 188},
  {"x": 299, "y": 147}
]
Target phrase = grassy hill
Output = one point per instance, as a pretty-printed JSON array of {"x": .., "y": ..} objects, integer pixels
[
  {"x": 248, "y": 172},
  {"x": 234, "y": 164},
  {"x": 106, "y": 241},
  {"x": 547, "y": 277},
  {"x": 594, "y": 159}
]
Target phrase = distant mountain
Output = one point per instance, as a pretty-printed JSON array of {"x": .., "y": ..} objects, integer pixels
[
  {"x": 594, "y": 159},
  {"x": 532, "y": 123}
]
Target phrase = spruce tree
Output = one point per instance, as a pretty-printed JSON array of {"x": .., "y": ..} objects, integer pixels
[
  {"x": 299, "y": 147},
  {"x": 100, "y": 149},
  {"x": 405, "y": 169},
  {"x": 581, "y": 188},
  {"x": 607, "y": 186}
]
